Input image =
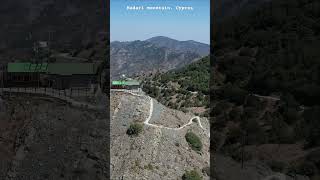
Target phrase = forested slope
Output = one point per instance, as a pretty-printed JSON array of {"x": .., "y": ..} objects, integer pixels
[
  {"x": 183, "y": 88},
  {"x": 266, "y": 86}
]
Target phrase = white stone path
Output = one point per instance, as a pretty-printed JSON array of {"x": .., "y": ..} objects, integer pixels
[{"x": 146, "y": 122}]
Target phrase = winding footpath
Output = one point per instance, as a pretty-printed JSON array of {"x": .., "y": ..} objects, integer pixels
[
  {"x": 195, "y": 119},
  {"x": 146, "y": 122},
  {"x": 50, "y": 93},
  {"x": 267, "y": 97}
]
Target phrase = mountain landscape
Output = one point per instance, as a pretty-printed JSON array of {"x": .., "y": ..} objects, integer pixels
[
  {"x": 137, "y": 58},
  {"x": 154, "y": 137},
  {"x": 180, "y": 46},
  {"x": 265, "y": 92},
  {"x": 185, "y": 89},
  {"x": 67, "y": 25},
  {"x": 262, "y": 104},
  {"x": 46, "y": 137},
  {"x": 152, "y": 141}
]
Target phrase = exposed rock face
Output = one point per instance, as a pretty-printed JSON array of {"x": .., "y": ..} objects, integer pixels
[
  {"x": 48, "y": 139},
  {"x": 156, "y": 153}
]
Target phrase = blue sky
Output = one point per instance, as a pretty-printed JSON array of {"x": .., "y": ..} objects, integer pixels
[{"x": 128, "y": 25}]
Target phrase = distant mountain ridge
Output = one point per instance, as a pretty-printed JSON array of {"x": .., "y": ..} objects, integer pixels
[
  {"x": 183, "y": 46},
  {"x": 155, "y": 54}
]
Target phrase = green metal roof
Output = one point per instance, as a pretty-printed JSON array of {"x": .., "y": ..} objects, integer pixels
[
  {"x": 132, "y": 83},
  {"x": 27, "y": 67},
  {"x": 117, "y": 83},
  {"x": 54, "y": 68},
  {"x": 127, "y": 83}
]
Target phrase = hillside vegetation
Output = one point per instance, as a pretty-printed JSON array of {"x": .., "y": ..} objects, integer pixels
[
  {"x": 182, "y": 88},
  {"x": 273, "y": 52}
]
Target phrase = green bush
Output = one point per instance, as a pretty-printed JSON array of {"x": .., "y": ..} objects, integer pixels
[
  {"x": 277, "y": 166},
  {"x": 194, "y": 141},
  {"x": 149, "y": 167},
  {"x": 303, "y": 168},
  {"x": 233, "y": 93},
  {"x": 307, "y": 168},
  {"x": 135, "y": 129},
  {"x": 206, "y": 170},
  {"x": 234, "y": 135},
  {"x": 291, "y": 115},
  {"x": 191, "y": 175},
  {"x": 235, "y": 114},
  {"x": 221, "y": 107}
]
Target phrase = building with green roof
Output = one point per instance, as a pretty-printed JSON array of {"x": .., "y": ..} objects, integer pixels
[
  {"x": 53, "y": 68},
  {"x": 125, "y": 84},
  {"x": 27, "y": 67},
  {"x": 56, "y": 75}
]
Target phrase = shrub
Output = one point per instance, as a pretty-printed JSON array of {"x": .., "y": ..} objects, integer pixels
[
  {"x": 135, "y": 129},
  {"x": 303, "y": 168},
  {"x": 277, "y": 166},
  {"x": 206, "y": 170},
  {"x": 194, "y": 141},
  {"x": 252, "y": 101},
  {"x": 238, "y": 153},
  {"x": 149, "y": 167},
  {"x": 244, "y": 51},
  {"x": 233, "y": 93},
  {"x": 221, "y": 107},
  {"x": 235, "y": 114},
  {"x": 191, "y": 175},
  {"x": 234, "y": 135},
  {"x": 254, "y": 132},
  {"x": 291, "y": 115},
  {"x": 307, "y": 168}
]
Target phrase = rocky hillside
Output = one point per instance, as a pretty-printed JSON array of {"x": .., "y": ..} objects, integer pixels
[
  {"x": 44, "y": 138},
  {"x": 66, "y": 24},
  {"x": 155, "y": 151},
  {"x": 155, "y": 54}
]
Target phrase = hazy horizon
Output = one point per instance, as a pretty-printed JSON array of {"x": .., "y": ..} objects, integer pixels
[
  {"x": 159, "y": 36},
  {"x": 182, "y": 25}
]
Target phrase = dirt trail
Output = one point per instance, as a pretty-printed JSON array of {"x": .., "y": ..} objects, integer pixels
[
  {"x": 146, "y": 122},
  {"x": 51, "y": 93}
]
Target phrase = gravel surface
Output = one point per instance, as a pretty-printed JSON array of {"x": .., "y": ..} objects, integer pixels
[
  {"x": 155, "y": 153},
  {"x": 52, "y": 140}
]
